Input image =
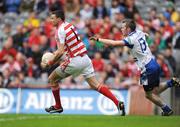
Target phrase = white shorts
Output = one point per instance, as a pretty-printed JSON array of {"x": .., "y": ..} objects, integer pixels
[{"x": 76, "y": 66}]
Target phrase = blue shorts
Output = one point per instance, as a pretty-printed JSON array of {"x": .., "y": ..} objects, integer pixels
[{"x": 151, "y": 76}]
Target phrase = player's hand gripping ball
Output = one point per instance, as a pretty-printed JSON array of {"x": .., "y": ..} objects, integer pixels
[{"x": 46, "y": 58}]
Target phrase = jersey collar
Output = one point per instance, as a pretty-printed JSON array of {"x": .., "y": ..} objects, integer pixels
[
  {"x": 60, "y": 23},
  {"x": 131, "y": 33}
]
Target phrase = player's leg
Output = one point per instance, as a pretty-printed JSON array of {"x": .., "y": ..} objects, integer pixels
[
  {"x": 174, "y": 82},
  {"x": 154, "y": 98},
  {"x": 158, "y": 101},
  {"x": 151, "y": 80},
  {"x": 54, "y": 77},
  {"x": 103, "y": 89},
  {"x": 151, "y": 93},
  {"x": 88, "y": 73}
]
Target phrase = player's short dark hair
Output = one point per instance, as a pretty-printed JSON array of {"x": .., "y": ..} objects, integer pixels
[
  {"x": 58, "y": 12},
  {"x": 130, "y": 23}
]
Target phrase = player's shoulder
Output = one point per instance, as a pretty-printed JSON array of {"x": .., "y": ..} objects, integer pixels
[
  {"x": 67, "y": 25},
  {"x": 135, "y": 33},
  {"x": 140, "y": 32}
]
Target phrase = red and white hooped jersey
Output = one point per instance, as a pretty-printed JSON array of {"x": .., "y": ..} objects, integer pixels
[{"x": 67, "y": 34}]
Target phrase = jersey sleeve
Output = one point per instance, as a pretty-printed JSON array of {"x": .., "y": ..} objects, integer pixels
[
  {"x": 61, "y": 34},
  {"x": 128, "y": 42}
]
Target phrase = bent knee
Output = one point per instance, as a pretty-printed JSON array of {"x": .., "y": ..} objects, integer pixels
[
  {"x": 155, "y": 91},
  {"x": 51, "y": 80},
  {"x": 93, "y": 86},
  {"x": 93, "y": 83},
  {"x": 148, "y": 95}
]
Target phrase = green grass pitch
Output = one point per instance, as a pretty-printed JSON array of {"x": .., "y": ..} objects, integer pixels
[{"x": 30, "y": 120}]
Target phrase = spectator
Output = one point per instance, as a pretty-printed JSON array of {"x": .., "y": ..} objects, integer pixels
[
  {"x": 31, "y": 68},
  {"x": 114, "y": 61},
  {"x": 80, "y": 24},
  {"x": 48, "y": 28},
  {"x": 114, "y": 9},
  {"x": 86, "y": 12},
  {"x": 5, "y": 33},
  {"x": 110, "y": 74},
  {"x": 130, "y": 9},
  {"x": 118, "y": 18},
  {"x": 18, "y": 37},
  {"x": 7, "y": 78},
  {"x": 93, "y": 3},
  {"x": 91, "y": 49},
  {"x": 139, "y": 21},
  {"x": 32, "y": 21},
  {"x": 18, "y": 80},
  {"x": 34, "y": 38},
  {"x": 44, "y": 43},
  {"x": 100, "y": 10},
  {"x": 26, "y": 49},
  {"x": 98, "y": 62},
  {"x": 129, "y": 68},
  {"x": 27, "y": 5},
  {"x": 40, "y": 6},
  {"x": 116, "y": 33},
  {"x": 55, "y": 4},
  {"x": 176, "y": 38},
  {"x": 12, "y": 5},
  {"x": 72, "y": 8},
  {"x": 171, "y": 60},
  {"x": 152, "y": 13},
  {"x": 167, "y": 30},
  {"x": 165, "y": 72},
  {"x": 7, "y": 50},
  {"x": 159, "y": 41},
  {"x": 176, "y": 46},
  {"x": 11, "y": 64},
  {"x": 21, "y": 60},
  {"x": 36, "y": 56},
  {"x": 106, "y": 51},
  {"x": 1, "y": 80},
  {"x": 2, "y": 6}
]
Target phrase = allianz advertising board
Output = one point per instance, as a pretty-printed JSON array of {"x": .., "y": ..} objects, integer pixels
[{"x": 73, "y": 101}]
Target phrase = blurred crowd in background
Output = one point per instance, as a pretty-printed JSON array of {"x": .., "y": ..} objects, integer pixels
[{"x": 25, "y": 34}]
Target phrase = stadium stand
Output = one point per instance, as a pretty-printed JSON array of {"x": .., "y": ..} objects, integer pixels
[{"x": 25, "y": 35}]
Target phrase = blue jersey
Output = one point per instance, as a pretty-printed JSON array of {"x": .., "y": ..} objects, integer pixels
[
  {"x": 139, "y": 49},
  {"x": 150, "y": 69}
]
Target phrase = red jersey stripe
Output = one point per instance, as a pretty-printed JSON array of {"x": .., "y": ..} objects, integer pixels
[
  {"x": 75, "y": 44},
  {"x": 71, "y": 39},
  {"x": 78, "y": 49},
  {"x": 70, "y": 32},
  {"x": 66, "y": 27}
]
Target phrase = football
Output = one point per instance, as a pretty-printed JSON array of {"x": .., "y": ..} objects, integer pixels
[{"x": 48, "y": 56}]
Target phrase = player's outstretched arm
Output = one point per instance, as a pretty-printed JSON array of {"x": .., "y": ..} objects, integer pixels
[{"x": 108, "y": 41}]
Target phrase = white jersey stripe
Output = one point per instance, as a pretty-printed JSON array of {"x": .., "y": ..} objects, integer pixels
[
  {"x": 72, "y": 42},
  {"x": 77, "y": 46},
  {"x": 71, "y": 35}
]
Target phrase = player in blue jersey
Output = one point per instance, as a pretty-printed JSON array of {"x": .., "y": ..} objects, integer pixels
[{"x": 150, "y": 69}]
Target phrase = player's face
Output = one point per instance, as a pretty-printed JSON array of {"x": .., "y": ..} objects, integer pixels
[
  {"x": 53, "y": 19},
  {"x": 124, "y": 29}
]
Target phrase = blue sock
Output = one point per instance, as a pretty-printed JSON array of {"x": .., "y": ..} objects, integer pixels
[
  {"x": 166, "y": 108},
  {"x": 169, "y": 83}
]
